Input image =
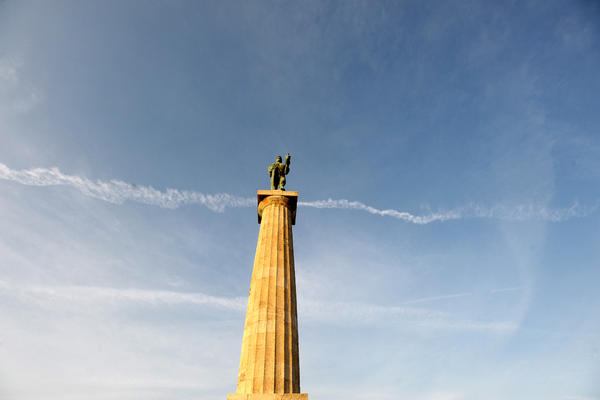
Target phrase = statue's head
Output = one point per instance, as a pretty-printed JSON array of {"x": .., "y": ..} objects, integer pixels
[{"x": 278, "y": 159}]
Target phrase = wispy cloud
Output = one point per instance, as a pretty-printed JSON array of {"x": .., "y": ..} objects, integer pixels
[
  {"x": 409, "y": 317},
  {"x": 16, "y": 95},
  {"x": 435, "y": 298},
  {"x": 8, "y": 71},
  {"x": 80, "y": 298},
  {"x": 402, "y": 215},
  {"x": 520, "y": 212},
  {"x": 96, "y": 294},
  {"x": 117, "y": 192}
]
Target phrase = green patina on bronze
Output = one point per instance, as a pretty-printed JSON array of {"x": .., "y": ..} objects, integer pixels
[{"x": 278, "y": 171}]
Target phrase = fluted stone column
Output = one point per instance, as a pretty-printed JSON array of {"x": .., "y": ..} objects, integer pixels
[{"x": 269, "y": 367}]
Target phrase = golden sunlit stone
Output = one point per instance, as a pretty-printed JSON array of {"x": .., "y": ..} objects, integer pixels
[{"x": 269, "y": 367}]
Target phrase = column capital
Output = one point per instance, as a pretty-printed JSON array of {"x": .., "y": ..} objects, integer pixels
[{"x": 266, "y": 197}]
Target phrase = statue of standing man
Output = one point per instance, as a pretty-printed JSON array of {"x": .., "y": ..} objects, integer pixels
[{"x": 278, "y": 171}]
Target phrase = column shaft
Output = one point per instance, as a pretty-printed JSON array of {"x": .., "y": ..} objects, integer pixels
[{"x": 269, "y": 361}]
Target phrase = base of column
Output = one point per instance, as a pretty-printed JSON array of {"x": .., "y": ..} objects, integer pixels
[{"x": 267, "y": 396}]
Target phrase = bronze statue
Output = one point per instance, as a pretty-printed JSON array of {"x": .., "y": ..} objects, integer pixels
[{"x": 278, "y": 171}]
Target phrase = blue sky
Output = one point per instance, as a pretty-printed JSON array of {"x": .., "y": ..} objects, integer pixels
[{"x": 447, "y": 157}]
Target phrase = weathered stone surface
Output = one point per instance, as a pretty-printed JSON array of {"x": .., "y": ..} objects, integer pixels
[
  {"x": 269, "y": 366},
  {"x": 292, "y": 201},
  {"x": 268, "y": 396}
]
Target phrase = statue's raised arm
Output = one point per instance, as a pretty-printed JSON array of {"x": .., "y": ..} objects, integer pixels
[
  {"x": 287, "y": 163},
  {"x": 278, "y": 171}
]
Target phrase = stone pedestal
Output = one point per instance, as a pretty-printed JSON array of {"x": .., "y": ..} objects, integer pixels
[
  {"x": 268, "y": 396},
  {"x": 269, "y": 367}
]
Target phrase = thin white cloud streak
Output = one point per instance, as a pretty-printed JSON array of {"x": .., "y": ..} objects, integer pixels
[
  {"x": 107, "y": 295},
  {"x": 80, "y": 298},
  {"x": 408, "y": 317},
  {"x": 435, "y": 298},
  {"x": 513, "y": 213},
  {"x": 117, "y": 192},
  {"x": 402, "y": 215}
]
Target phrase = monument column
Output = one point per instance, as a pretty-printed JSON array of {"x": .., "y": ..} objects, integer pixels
[{"x": 269, "y": 367}]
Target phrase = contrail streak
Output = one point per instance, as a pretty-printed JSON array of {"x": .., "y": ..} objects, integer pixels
[
  {"x": 402, "y": 215},
  {"x": 435, "y": 298},
  {"x": 117, "y": 192},
  {"x": 520, "y": 212}
]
